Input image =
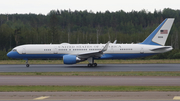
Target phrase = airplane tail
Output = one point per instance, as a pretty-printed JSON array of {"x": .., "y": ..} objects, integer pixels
[{"x": 160, "y": 34}]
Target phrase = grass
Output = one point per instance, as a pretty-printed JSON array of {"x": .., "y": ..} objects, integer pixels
[
  {"x": 137, "y": 61},
  {"x": 87, "y": 88},
  {"x": 132, "y": 73}
]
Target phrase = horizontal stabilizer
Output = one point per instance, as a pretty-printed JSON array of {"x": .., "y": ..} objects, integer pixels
[{"x": 162, "y": 48}]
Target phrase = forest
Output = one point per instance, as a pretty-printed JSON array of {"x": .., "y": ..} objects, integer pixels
[{"x": 66, "y": 26}]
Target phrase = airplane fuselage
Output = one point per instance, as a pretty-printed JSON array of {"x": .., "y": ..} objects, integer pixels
[{"x": 114, "y": 51}]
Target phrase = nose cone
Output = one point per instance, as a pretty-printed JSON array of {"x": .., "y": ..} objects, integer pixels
[
  {"x": 12, "y": 54},
  {"x": 9, "y": 54}
]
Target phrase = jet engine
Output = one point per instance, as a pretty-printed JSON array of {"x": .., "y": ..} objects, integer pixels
[{"x": 70, "y": 59}]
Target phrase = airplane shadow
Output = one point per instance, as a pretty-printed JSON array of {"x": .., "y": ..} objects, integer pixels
[
  {"x": 83, "y": 67},
  {"x": 57, "y": 66}
]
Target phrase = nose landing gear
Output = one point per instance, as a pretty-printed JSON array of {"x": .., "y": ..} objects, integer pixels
[{"x": 27, "y": 65}]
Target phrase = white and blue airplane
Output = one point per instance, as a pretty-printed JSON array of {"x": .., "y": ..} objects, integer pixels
[{"x": 74, "y": 53}]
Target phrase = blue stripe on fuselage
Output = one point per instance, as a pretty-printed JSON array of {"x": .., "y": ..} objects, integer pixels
[
  {"x": 33, "y": 56},
  {"x": 105, "y": 56},
  {"x": 125, "y": 56}
]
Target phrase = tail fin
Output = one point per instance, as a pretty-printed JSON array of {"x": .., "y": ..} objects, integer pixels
[{"x": 160, "y": 34}]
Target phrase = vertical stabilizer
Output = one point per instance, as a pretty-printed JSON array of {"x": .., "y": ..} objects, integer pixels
[{"x": 160, "y": 34}]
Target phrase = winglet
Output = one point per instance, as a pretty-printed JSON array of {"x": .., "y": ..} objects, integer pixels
[
  {"x": 106, "y": 46},
  {"x": 114, "y": 41}
]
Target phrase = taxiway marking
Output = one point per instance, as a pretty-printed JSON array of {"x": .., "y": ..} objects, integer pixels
[
  {"x": 42, "y": 97},
  {"x": 176, "y": 98}
]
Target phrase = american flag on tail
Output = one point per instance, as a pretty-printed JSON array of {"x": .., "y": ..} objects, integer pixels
[{"x": 164, "y": 31}]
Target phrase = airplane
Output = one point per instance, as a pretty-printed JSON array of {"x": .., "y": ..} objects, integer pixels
[{"x": 74, "y": 53}]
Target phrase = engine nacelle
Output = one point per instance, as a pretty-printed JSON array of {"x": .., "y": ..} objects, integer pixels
[{"x": 70, "y": 59}]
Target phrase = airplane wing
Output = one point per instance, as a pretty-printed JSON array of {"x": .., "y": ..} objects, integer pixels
[{"x": 95, "y": 54}]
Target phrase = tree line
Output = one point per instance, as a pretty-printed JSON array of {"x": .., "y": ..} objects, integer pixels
[{"x": 60, "y": 26}]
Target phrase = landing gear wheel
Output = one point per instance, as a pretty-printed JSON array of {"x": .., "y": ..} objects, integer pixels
[
  {"x": 89, "y": 65},
  {"x": 92, "y": 65},
  {"x": 95, "y": 64},
  {"x": 27, "y": 65}
]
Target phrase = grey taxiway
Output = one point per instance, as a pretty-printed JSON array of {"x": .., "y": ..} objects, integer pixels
[
  {"x": 84, "y": 68},
  {"x": 89, "y": 96},
  {"x": 90, "y": 80}
]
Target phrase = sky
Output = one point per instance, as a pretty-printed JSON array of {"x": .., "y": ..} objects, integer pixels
[{"x": 45, "y": 6}]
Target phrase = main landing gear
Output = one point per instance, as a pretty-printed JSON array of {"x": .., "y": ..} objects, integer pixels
[
  {"x": 91, "y": 62},
  {"x": 27, "y": 65}
]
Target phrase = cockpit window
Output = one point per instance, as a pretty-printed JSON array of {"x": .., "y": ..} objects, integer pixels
[{"x": 14, "y": 50}]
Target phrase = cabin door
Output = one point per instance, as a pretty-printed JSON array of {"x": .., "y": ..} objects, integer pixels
[
  {"x": 142, "y": 50},
  {"x": 24, "y": 50},
  {"x": 55, "y": 50}
]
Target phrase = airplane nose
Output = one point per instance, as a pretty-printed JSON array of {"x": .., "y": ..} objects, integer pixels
[
  {"x": 12, "y": 54},
  {"x": 9, "y": 54}
]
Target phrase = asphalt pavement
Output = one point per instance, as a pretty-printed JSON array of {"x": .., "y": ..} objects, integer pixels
[{"x": 84, "y": 68}]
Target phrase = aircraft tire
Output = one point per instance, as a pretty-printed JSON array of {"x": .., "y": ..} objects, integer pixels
[
  {"x": 95, "y": 64},
  {"x": 27, "y": 65},
  {"x": 89, "y": 65},
  {"x": 92, "y": 65}
]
